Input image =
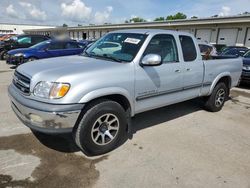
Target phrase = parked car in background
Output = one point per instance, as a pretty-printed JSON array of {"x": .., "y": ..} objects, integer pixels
[
  {"x": 219, "y": 47},
  {"x": 245, "y": 77},
  {"x": 20, "y": 41},
  {"x": 234, "y": 51},
  {"x": 46, "y": 49},
  {"x": 86, "y": 42},
  {"x": 5, "y": 37},
  {"x": 207, "y": 49},
  {"x": 95, "y": 94}
]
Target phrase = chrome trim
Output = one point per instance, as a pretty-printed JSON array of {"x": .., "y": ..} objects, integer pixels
[
  {"x": 49, "y": 120},
  {"x": 156, "y": 94}
]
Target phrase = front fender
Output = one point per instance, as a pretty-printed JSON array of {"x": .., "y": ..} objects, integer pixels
[
  {"x": 108, "y": 91},
  {"x": 218, "y": 77}
]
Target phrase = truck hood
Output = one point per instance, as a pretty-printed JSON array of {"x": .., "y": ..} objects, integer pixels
[
  {"x": 20, "y": 50},
  {"x": 54, "y": 68}
]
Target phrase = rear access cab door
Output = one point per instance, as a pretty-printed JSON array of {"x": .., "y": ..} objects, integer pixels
[{"x": 192, "y": 67}]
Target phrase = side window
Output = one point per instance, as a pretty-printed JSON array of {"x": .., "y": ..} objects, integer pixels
[
  {"x": 24, "y": 40},
  {"x": 56, "y": 46},
  {"x": 188, "y": 48},
  {"x": 163, "y": 45},
  {"x": 72, "y": 45},
  {"x": 37, "y": 39}
]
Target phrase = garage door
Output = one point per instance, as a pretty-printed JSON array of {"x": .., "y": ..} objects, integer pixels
[
  {"x": 184, "y": 30},
  {"x": 204, "y": 34},
  {"x": 228, "y": 36},
  {"x": 247, "y": 43}
]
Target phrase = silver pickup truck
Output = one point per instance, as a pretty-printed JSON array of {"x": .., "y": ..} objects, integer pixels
[{"x": 124, "y": 73}]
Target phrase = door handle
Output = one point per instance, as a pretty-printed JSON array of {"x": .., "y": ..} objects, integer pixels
[
  {"x": 177, "y": 71},
  {"x": 188, "y": 69}
]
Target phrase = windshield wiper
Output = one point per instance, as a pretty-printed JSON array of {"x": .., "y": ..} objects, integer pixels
[
  {"x": 112, "y": 58},
  {"x": 104, "y": 56}
]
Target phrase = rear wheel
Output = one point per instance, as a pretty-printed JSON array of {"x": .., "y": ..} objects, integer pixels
[
  {"x": 216, "y": 100},
  {"x": 102, "y": 128}
]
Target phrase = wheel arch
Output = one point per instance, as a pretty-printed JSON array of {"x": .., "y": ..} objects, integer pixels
[
  {"x": 118, "y": 95},
  {"x": 223, "y": 77}
]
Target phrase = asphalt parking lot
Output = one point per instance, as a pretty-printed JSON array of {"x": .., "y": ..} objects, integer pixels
[{"x": 177, "y": 146}]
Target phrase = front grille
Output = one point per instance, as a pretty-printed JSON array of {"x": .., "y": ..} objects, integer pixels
[{"x": 21, "y": 82}]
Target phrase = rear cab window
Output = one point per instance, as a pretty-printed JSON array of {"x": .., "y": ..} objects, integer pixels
[{"x": 188, "y": 48}]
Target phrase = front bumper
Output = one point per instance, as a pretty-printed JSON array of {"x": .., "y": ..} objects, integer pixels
[
  {"x": 15, "y": 60},
  {"x": 44, "y": 117}
]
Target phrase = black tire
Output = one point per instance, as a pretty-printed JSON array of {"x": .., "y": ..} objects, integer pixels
[
  {"x": 3, "y": 55},
  {"x": 85, "y": 133},
  {"x": 216, "y": 100}
]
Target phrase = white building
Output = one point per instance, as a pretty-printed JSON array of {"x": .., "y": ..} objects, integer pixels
[
  {"x": 232, "y": 30},
  {"x": 7, "y": 28}
]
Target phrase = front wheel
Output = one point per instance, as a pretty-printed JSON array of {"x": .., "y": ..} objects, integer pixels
[
  {"x": 216, "y": 100},
  {"x": 102, "y": 128},
  {"x": 3, "y": 55}
]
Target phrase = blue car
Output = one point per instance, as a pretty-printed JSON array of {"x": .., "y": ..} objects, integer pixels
[
  {"x": 46, "y": 49},
  {"x": 245, "y": 77}
]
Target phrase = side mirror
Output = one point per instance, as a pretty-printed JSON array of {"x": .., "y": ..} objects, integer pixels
[{"x": 151, "y": 60}]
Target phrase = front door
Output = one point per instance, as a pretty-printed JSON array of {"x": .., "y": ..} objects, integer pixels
[{"x": 159, "y": 85}]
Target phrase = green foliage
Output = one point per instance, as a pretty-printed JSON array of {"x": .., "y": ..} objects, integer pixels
[
  {"x": 177, "y": 16},
  {"x": 137, "y": 19},
  {"x": 159, "y": 19},
  {"x": 65, "y": 25}
]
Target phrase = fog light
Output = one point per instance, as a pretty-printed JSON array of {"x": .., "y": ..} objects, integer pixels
[{"x": 35, "y": 118}]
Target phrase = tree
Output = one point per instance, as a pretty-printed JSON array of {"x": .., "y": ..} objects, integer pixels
[
  {"x": 194, "y": 17},
  {"x": 215, "y": 16},
  {"x": 177, "y": 16},
  {"x": 137, "y": 19},
  {"x": 245, "y": 13},
  {"x": 159, "y": 19},
  {"x": 65, "y": 25}
]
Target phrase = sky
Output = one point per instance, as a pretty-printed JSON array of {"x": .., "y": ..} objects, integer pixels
[{"x": 84, "y": 12}]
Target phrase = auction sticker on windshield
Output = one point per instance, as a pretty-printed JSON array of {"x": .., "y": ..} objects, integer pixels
[{"x": 132, "y": 40}]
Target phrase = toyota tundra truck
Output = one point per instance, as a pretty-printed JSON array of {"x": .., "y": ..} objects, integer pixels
[{"x": 94, "y": 95}]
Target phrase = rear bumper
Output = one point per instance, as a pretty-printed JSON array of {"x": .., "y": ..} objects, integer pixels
[
  {"x": 44, "y": 117},
  {"x": 245, "y": 77}
]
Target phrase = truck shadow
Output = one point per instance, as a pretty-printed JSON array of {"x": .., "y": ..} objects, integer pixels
[
  {"x": 244, "y": 86},
  {"x": 65, "y": 142},
  {"x": 164, "y": 114},
  {"x": 60, "y": 142}
]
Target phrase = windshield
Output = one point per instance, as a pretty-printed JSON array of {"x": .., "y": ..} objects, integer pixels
[
  {"x": 247, "y": 55},
  {"x": 41, "y": 45},
  {"x": 117, "y": 46}
]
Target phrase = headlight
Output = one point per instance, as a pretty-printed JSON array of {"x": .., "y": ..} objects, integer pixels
[
  {"x": 51, "y": 90},
  {"x": 18, "y": 55}
]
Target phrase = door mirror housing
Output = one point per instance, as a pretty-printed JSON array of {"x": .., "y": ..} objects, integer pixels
[{"x": 151, "y": 60}]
